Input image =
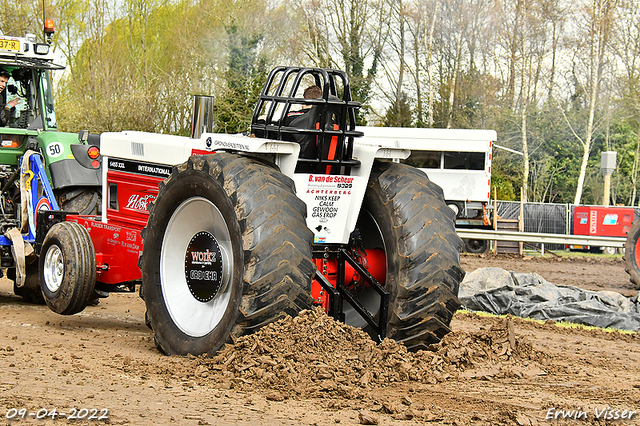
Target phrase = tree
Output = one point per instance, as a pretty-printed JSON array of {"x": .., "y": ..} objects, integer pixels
[
  {"x": 589, "y": 61},
  {"x": 348, "y": 35},
  {"x": 122, "y": 76},
  {"x": 394, "y": 65},
  {"x": 245, "y": 76},
  {"x": 399, "y": 113},
  {"x": 428, "y": 42},
  {"x": 628, "y": 51},
  {"x": 421, "y": 42},
  {"x": 511, "y": 65},
  {"x": 21, "y": 17}
]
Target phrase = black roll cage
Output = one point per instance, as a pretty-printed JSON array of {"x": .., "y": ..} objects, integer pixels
[{"x": 337, "y": 114}]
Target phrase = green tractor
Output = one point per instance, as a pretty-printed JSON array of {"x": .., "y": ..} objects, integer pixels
[{"x": 40, "y": 168}]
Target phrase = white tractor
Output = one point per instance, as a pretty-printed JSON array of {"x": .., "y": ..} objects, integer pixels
[{"x": 303, "y": 211}]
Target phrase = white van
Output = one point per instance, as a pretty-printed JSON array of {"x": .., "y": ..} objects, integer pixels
[{"x": 457, "y": 160}]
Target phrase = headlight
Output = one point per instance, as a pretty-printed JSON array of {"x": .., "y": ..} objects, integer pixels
[
  {"x": 42, "y": 48},
  {"x": 93, "y": 152}
]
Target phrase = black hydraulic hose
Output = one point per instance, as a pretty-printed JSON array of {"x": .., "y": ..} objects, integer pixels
[{"x": 11, "y": 180}]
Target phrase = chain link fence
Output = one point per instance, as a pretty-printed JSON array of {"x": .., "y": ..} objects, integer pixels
[
  {"x": 546, "y": 218},
  {"x": 539, "y": 218}
]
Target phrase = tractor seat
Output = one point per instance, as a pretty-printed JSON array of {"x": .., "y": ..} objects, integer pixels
[{"x": 306, "y": 119}]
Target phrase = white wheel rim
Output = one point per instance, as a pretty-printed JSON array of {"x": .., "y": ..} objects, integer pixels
[
  {"x": 53, "y": 268},
  {"x": 192, "y": 317}
]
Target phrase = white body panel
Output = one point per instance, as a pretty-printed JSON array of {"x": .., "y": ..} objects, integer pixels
[
  {"x": 333, "y": 202},
  {"x": 457, "y": 185},
  {"x": 335, "y": 216},
  {"x": 330, "y": 200},
  {"x": 462, "y": 185},
  {"x": 171, "y": 150},
  {"x": 148, "y": 147}
]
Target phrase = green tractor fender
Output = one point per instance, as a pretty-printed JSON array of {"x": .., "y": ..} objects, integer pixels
[{"x": 69, "y": 161}]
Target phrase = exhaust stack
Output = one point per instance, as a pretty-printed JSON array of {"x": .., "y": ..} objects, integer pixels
[{"x": 202, "y": 119}]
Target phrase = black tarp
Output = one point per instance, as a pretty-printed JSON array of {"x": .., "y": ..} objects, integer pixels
[{"x": 525, "y": 295}]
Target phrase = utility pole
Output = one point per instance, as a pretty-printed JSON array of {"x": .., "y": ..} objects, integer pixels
[{"x": 607, "y": 165}]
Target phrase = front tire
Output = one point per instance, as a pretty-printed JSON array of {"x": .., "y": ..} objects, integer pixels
[
  {"x": 246, "y": 216},
  {"x": 81, "y": 200},
  {"x": 405, "y": 215},
  {"x": 67, "y": 267}
]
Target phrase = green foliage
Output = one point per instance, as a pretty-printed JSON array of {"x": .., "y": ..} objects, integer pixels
[
  {"x": 135, "y": 65},
  {"x": 399, "y": 115},
  {"x": 476, "y": 103},
  {"x": 504, "y": 187},
  {"x": 624, "y": 141},
  {"x": 141, "y": 71},
  {"x": 361, "y": 85},
  {"x": 554, "y": 157},
  {"x": 245, "y": 76},
  {"x": 21, "y": 17},
  {"x": 133, "y": 76}
]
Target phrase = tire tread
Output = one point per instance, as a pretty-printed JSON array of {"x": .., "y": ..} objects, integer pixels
[
  {"x": 424, "y": 296},
  {"x": 631, "y": 246},
  {"x": 275, "y": 244}
]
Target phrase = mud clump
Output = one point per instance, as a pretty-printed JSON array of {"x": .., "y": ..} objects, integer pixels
[
  {"x": 313, "y": 355},
  {"x": 491, "y": 353}
]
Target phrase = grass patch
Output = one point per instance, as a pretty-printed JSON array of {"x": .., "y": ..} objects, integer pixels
[
  {"x": 563, "y": 324},
  {"x": 572, "y": 254}
]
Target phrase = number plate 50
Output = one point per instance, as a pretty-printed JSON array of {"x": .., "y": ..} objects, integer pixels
[{"x": 55, "y": 149}]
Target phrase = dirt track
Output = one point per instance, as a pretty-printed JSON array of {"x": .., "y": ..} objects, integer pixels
[
  {"x": 314, "y": 371},
  {"x": 590, "y": 273}
]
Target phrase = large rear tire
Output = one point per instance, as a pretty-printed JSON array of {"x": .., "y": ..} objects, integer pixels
[
  {"x": 632, "y": 253},
  {"x": 246, "y": 216},
  {"x": 67, "y": 267},
  {"x": 405, "y": 215},
  {"x": 81, "y": 200}
]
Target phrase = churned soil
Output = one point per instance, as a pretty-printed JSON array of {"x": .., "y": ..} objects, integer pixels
[
  {"x": 312, "y": 370},
  {"x": 589, "y": 273}
]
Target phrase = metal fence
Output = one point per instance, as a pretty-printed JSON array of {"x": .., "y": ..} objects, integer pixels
[
  {"x": 544, "y": 217},
  {"x": 539, "y": 217}
]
